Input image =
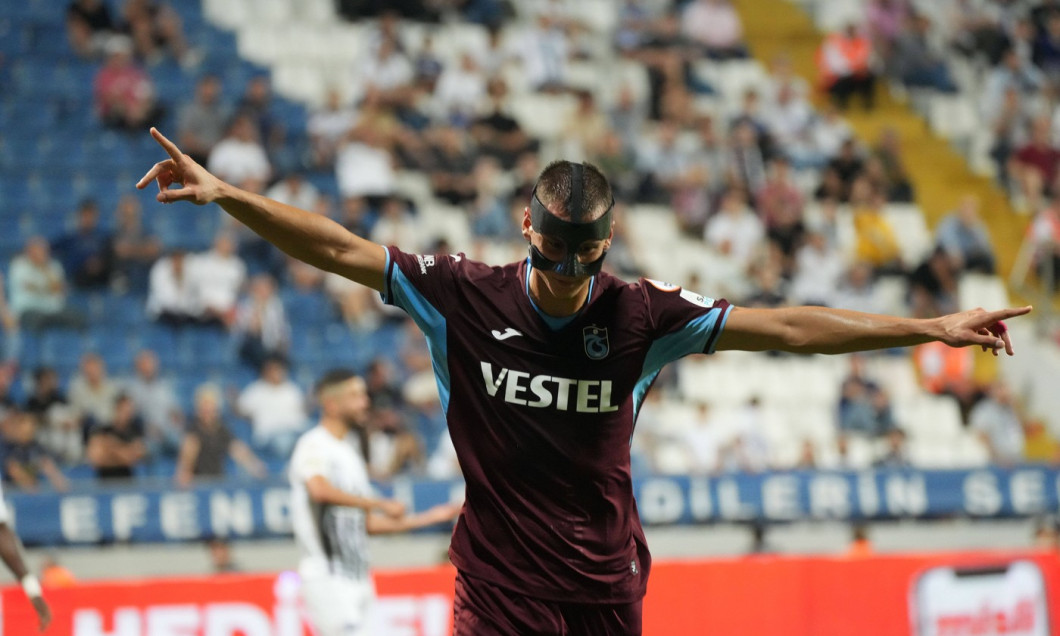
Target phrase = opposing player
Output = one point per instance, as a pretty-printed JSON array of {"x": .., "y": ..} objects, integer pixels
[
  {"x": 542, "y": 366},
  {"x": 11, "y": 553},
  {"x": 334, "y": 509}
]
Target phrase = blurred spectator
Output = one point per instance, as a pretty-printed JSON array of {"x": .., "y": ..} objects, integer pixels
[
  {"x": 387, "y": 71},
  {"x": 618, "y": 162},
  {"x": 746, "y": 159},
  {"x": 789, "y": 119},
  {"x": 963, "y": 235},
  {"x": 116, "y": 447},
  {"x": 999, "y": 425},
  {"x": 209, "y": 443},
  {"x": 60, "y": 425},
  {"x": 860, "y": 545},
  {"x": 1046, "y": 54},
  {"x": 864, "y": 408},
  {"x": 397, "y": 225},
  {"x": 294, "y": 190},
  {"x": 156, "y": 31},
  {"x": 946, "y": 370},
  {"x": 828, "y": 134},
  {"x": 895, "y": 454},
  {"x": 702, "y": 440},
  {"x": 1046, "y": 534},
  {"x": 25, "y": 462},
  {"x": 365, "y": 163},
  {"x": 172, "y": 299},
  {"x": 427, "y": 66},
  {"x": 10, "y": 336},
  {"x": 124, "y": 93},
  {"x": 748, "y": 450},
  {"x": 496, "y": 132},
  {"x": 88, "y": 27},
  {"x": 1009, "y": 123},
  {"x": 256, "y": 105},
  {"x": 221, "y": 561},
  {"x": 87, "y": 252},
  {"x": 584, "y": 130},
  {"x": 261, "y": 323},
  {"x": 217, "y": 276},
  {"x": 460, "y": 92},
  {"x": 875, "y": 240},
  {"x": 715, "y": 26},
  {"x": 276, "y": 409},
  {"x": 857, "y": 290},
  {"x": 453, "y": 158},
  {"x": 933, "y": 286},
  {"x": 735, "y": 229},
  {"x": 544, "y": 50},
  {"x": 327, "y": 127},
  {"x": 779, "y": 204},
  {"x": 394, "y": 449},
  {"x": 37, "y": 287},
  {"x": 819, "y": 267},
  {"x": 1011, "y": 74},
  {"x": 240, "y": 156},
  {"x": 134, "y": 248},
  {"x": 759, "y": 544},
  {"x": 1044, "y": 233},
  {"x": 1037, "y": 160},
  {"x": 156, "y": 401},
  {"x": 886, "y": 21},
  {"x": 443, "y": 463},
  {"x": 844, "y": 67},
  {"x": 848, "y": 165},
  {"x": 915, "y": 61},
  {"x": 896, "y": 184},
  {"x": 1039, "y": 444},
  {"x": 202, "y": 122},
  {"x": 488, "y": 212},
  {"x": 92, "y": 392},
  {"x": 53, "y": 575}
]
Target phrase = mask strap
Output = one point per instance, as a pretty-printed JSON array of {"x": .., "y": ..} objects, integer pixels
[{"x": 574, "y": 203}]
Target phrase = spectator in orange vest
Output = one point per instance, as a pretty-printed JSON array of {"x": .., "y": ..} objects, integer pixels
[
  {"x": 946, "y": 371},
  {"x": 844, "y": 62}
]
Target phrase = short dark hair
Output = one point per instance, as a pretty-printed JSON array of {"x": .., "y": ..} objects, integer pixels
[
  {"x": 554, "y": 185},
  {"x": 333, "y": 377}
]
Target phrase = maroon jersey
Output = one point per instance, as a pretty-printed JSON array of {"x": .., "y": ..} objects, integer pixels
[{"x": 541, "y": 412}]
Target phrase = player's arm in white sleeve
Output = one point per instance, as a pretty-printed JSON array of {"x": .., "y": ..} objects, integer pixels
[
  {"x": 322, "y": 491},
  {"x": 309, "y": 237},
  {"x": 11, "y": 553},
  {"x": 825, "y": 330}
]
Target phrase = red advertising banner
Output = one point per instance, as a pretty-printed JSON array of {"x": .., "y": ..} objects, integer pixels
[{"x": 955, "y": 594}]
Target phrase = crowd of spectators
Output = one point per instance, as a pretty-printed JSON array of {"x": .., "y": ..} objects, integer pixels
[{"x": 762, "y": 178}]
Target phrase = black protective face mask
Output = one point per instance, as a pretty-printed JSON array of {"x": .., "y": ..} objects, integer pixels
[{"x": 572, "y": 233}]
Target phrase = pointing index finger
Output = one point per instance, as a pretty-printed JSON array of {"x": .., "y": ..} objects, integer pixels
[{"x": 169, "y": 146}]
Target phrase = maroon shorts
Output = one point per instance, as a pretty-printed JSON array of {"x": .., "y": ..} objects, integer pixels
[{"x": 481, "y": 608}]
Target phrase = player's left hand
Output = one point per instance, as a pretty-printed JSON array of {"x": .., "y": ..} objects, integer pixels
[
  {"x": 443, "y": 512},
  {"x": 980, "y": 327}
]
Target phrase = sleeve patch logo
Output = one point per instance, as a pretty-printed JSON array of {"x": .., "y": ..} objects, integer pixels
[
  {"x": 425, "y": 262},
  {"x": 696, "y": 299},
  {"x": 661, "y": 286}
]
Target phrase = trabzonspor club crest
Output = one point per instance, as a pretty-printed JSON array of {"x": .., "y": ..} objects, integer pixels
[{"x": 595, "y": 340}]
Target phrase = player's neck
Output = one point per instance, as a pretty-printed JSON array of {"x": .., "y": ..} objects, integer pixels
[
  {"x": 335, "y": 426},
  {"x": 557, "y": 306}
]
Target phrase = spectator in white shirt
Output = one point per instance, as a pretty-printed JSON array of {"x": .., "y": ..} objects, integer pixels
[
  {"x": 328, "y": 127},
  {"x": 996, "y": 420},
  {"x": 295, "y": 191},
  {"x": 171, "y": 297},
  {"x": 716, "y": 27},
  {"x": 460, "y": 92},
  {"x": 388, "y": 71},
  {"x": 240, "y": 157},
  {"x": 276, "y": 409},
  {"x": 37, "y": 286},
  {"x": 92, "y": 393},
  {"x": 735, "y": 229},
  {"x": 217, "y": 276},
  {"x": 261, "y": 323},
  {"x": 819, "y": 269},
  {"x": 544, "y": 50}
]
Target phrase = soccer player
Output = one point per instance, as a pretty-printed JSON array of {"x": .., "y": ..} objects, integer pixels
[
  {"x": 542, "y": 366},
  {"x": 11, "y": 553},
  {"x": 334, "y": 509}
]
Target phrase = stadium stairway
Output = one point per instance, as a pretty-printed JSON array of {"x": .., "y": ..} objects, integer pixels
[{"x": 940, "y": 174}]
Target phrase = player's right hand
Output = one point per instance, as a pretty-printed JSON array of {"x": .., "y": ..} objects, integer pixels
[
  {"x": 44, "y": 613},
  {"x": 392, "y": 508},
  {"x": 197, "y": 184}
]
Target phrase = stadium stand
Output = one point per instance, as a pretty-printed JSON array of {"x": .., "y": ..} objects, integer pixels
[{"x": 54, "y": 152}]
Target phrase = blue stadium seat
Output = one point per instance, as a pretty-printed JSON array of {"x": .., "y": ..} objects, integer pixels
[
  {"x": 62, "y": 348},
  {"x": 308, "y": 308}
]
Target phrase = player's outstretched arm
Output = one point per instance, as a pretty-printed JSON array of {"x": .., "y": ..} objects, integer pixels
[
  {"x": 378, "y": 524},
  {"x": 309, "y": 237},
  {"x": 11, "y": 554},
  {"x": 322, "y": 491},
  {"x": 825, "y": 330}
]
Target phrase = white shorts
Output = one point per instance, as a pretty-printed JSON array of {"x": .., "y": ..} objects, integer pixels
[{"x": 338, "y": 606}]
